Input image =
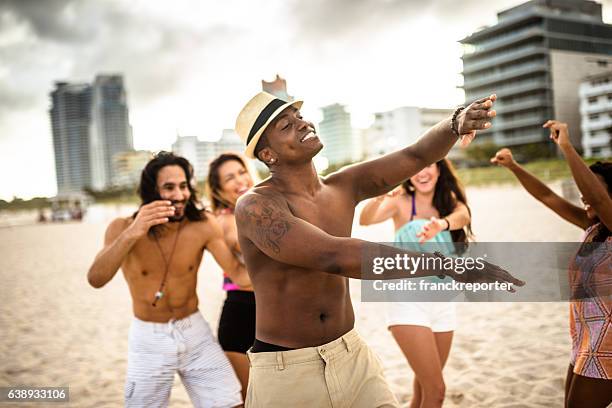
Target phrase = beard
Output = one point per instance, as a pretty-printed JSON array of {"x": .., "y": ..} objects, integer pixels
[{"x": 178, "y": 218}]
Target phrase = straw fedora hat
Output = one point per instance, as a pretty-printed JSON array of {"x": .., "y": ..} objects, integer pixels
[{"x": 255, "y": 117}]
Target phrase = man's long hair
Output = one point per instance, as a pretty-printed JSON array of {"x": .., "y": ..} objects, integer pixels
[
  {"x": 447, "y": 193},
  {"x": 148, "y": 192}
]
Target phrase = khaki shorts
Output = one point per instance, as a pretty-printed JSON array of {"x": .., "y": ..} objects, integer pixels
[{"x": 342, "y": 373}]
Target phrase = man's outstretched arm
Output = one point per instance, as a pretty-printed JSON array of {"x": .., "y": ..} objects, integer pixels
[
  {"x": 379, "y": 176},
  {"x": 267, "y": 222}
]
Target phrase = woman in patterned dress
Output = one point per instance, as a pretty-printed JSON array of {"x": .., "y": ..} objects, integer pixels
[{"x": 589, "y": 375}]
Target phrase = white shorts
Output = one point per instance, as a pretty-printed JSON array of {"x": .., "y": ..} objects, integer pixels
[
  {"x": 438, "y": 316},
  {"x": 156, "y": 351}
]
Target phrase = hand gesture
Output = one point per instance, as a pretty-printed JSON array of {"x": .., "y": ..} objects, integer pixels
[
  {"x": 503, "y": 158},
  {"x": 558, "y": 132},
  {"x": 393, "y": 193},
  {"x": 149, "y": 215},
  {"x": 475, "y": 117},
  {"x": 430, "y": 229},
  {"x": 489, "y": 274}
]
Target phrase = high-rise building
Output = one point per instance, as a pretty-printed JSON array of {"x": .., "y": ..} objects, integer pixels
[
  {"x": 70, "y": 118},
  {"x": 336, "y": 133},
  {"x": 90, "y": 126},
  {"x": 534, "y": 58},
  {"x": 596, "y": 111},
  {"x": 110, "y": 129},
  {"x": 398, "y": 128},
  {"x": 278, "y": 88}
]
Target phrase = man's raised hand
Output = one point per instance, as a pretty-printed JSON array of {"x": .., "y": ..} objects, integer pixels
[
  {"x": 149, "y": 215},
  {"x": 477, "y": 116}
]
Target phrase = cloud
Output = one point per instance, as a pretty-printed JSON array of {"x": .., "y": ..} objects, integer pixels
[
  {"x": 190, "y": 64},
  {"x": 56, "y": 20},
  {"x": 75, "y": 39},
  {"x": 323, "y": 19},
  {"x": 341, "y": 19},
  {"x": 11, "y": 98}
]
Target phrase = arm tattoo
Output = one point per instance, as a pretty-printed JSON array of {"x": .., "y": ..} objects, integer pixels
[{"x": 267, "y": 220}]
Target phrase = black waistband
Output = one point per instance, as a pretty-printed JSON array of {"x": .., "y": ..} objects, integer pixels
[
  {"x": 263, "y": 347},
  {"x": 241, "y": 296}
]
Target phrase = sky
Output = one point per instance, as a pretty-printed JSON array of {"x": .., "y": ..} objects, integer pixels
[{"x": 190, "y": 65}]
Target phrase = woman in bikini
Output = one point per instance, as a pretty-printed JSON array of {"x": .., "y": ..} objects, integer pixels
[
  {"x": 228, "y": 179},
  {"x": 430, "y": 208},
  {"x": 589, "y": 375}
]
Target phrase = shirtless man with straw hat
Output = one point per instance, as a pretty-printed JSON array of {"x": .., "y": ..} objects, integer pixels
[
  {"x": 294, "y": 230},
  {"x": 159, "y": 250}
]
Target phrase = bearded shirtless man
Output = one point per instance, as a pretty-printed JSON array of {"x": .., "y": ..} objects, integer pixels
[{"x": 159, "y": 250}]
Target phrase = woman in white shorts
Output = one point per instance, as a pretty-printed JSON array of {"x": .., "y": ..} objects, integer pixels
[{"x": 429, "y": 207}]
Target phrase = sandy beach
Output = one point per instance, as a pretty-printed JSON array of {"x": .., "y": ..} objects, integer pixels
[{"x": 58, "y": 331}]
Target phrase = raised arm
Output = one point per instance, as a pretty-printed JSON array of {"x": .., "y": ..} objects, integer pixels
[
  {"x": 541, "y": 192},
  {"x": 267, "y": 222},
  {"x": 379, "y": 176},
  {"x": 593, "y": 191},
  {"x": 217, "y": 246},
  {"x": 379, "y": 209},
  {"x": 120, "y": 237}
]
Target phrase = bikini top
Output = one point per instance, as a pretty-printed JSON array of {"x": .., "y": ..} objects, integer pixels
[
  {"x": 407, "y": 233},
  {"x": 228, "y": 284},
  {"x": 406, "y": 238}
]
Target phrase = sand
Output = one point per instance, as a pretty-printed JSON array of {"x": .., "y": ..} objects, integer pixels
[{"x": 58, "y": 331}]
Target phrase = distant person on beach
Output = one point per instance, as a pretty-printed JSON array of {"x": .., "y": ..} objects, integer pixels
[
  {"x": 294, "y": 231},
  {"x": 228, "y": 179},
  {"x": 76, "y": 213},
  {"x": 589, "y": 375},
  {"x": 159, "y": 249},
  {"x": 429, "y": 211}
]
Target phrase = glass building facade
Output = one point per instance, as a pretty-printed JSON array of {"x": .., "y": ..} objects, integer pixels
[{"x": 524, "y": 60}]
